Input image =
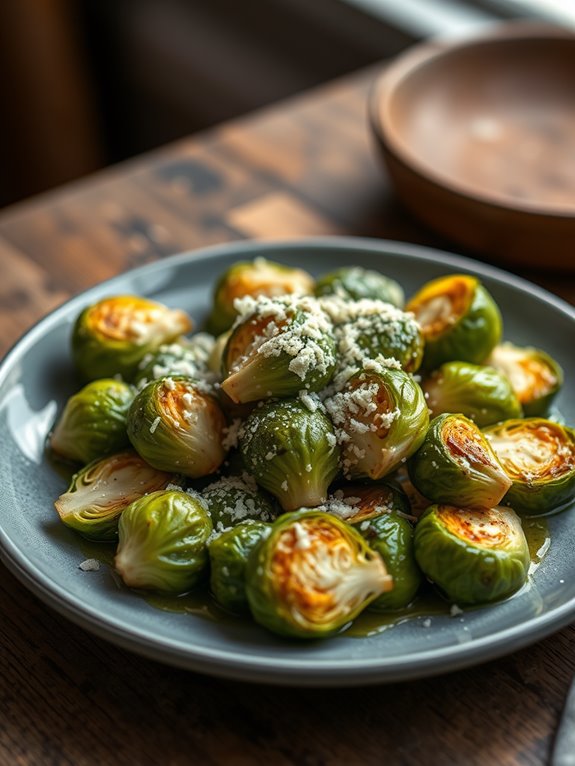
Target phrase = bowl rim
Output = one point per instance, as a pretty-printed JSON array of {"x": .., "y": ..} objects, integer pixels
[{"x": 386, "y": 84}]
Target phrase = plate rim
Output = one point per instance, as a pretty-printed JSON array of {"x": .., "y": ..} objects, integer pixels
[{"x": 287, "y": 671}]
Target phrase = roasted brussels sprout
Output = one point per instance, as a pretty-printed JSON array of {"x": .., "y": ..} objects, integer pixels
[
  {"x": 381, "y": 514},
  {"x": 370, "y": 329},
  {"x": 291, "y": 451},
  {"x": 312, "y": 575},
  {"x": 99, "y": 493},
  {"x": 535, "y": 377},
  {"x": 356, "y": 503},
  {"x": 229, "y": 554},
  {"x": 188, "y": 357},
  {"x": 354, "y": 283},
  {"x": 163, "y": 542},
  {"x": 112, "y": 336},
  {"x": 538, "y": 455},
  {"x": 237, "y": 498},
  {"x": 391, "y": 535},
  {"x": 456, "y": 465},
  {"x": 93, "y": 422},
  {"x": 481, "y": 393},
  {"x": 459, "y": 320},
  {"x": 257, "y": 277},
  {"x": 380, "y": 418},
  {"x": 474, "y": 556},
  {"x": 176, "y": 426},
  {"x": 281, "y": 346}
]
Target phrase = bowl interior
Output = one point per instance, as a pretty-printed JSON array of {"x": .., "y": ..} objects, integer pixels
[{"x": 494, "y": 118}]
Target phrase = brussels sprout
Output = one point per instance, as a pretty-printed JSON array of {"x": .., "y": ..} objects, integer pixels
[
  {"x": 312, "y": 575},
  {"x": 459, "y": 320},
  {"x": 380, "y": 418},
  {"x": 291, "y": 451},
  {"x": 99, "y": 493},
  {"x": 163, "y": 542},
  {"x": 391, "y": 535},
  {"x": 113, "y": 336},
  {"x": 357, "y": 503},
  {"x": 481, "y": 393},
  {"x": 535, "y": 377},
  {"x": 176, "y": 426},
  {"x": 93, "y": 422},
  {"x": 280, "y": 347},
  {"x": 371, "y": 329},
  {"x": 538, "y": 455},
  {"x": 254, "y": 278},
  {"x": 228, "y": 560},
  {"x": 354, "y": 283},
  {"x": 189, "y": 358},
  {"x": 456, "y": 465},
  {"x": 474, "y": 556},
  {"x": 236, "y": 498}
]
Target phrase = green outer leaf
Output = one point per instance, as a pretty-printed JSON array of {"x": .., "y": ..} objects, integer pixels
[
  {"x": 280, "y": 441},
  {"x": 194, "y": 450},
  {"x": 355, "y": 283},
  {"x": 228, "y": 561},
  {"x": 98, "y": 494},
  {"x": 391, "y": 535},
  {"x": 471, "y": 338},
  {"x": 481, "y": 393},
  {"x": 374, "y": 336},
  {"x": 467, "y": 572},
  {"x": 275, "y": 612},
  {"x": 93, "y": 422},
  {"x": 447, "y": 478},
  {"x": 536, "y": 497},
  {"x": 163, "y": 542}
]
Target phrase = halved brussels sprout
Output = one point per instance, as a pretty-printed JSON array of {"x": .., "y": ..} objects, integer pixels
[
  {"x": 538, "y": 455},
  {"x": 312, "y": 575},
  {"x": 535, "y": 377},
  {"x": 391, "y": 535},
  {"x": 474, "y": 556},
  {"x": 357, "y": 503},
  {"x": 177, "y": 426},
  {"x": 291, "y": 451},
  {"x": 257, "y": 277},
  {"x": 481, "y": 393},
  {"x": 380, "y": 418},
  {"x": 459, "y": 320},
  {"x": 93, "y": 422},
  {"x": 354, "y": 283},
  {"x": 369, "y": 329},
  {"x": 112, "y": 336},
  {"x": 163, "y": 542},
  {"x": 281, "y": 346},
  {"x": 456, "y": 465},
  {"x": 99, "y": 493},
  {"x": 187, "y": 357},
  {"x": 236, "y": 498},
  {"x": 229, "y": 554}
]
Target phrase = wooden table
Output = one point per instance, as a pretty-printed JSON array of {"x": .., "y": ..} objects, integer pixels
[{"x": 303, "y": 167}]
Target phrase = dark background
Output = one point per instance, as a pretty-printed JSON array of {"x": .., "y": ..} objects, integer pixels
[{"x": 86, "y": 83}]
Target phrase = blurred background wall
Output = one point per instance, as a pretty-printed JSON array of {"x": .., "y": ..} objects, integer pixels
[{"x": 90, "y": 82}]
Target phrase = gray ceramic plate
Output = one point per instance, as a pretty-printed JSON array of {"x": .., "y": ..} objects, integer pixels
[{"x": 35, "y": 379}]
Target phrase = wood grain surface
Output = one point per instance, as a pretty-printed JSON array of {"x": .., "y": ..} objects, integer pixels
[{"x": 306, "y": 166}]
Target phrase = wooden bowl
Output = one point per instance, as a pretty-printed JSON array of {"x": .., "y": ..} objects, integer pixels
[{"x": 479, "y": 139}]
